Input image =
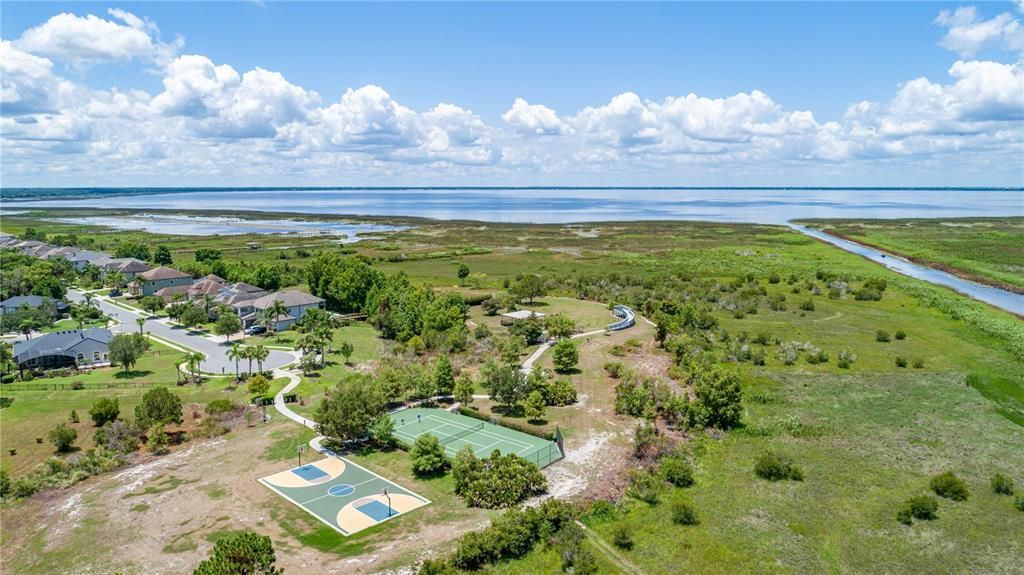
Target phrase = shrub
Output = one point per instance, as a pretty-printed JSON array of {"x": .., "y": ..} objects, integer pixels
[
  {"x": 807, "y": 305},
  {"x": 775, "y": 466},
  {"x": 1018, "y": 502},
  {"x": 918, "y": 363},
  {"x": 73, "y": 418},
  {"x": 104, "y": 410},
  {"x": 846, "y": 359},
  {"x": 645, "y": 486},
  {"x": 427, "y": 455},
  {"x": 622, "y": 538},
  {"x": 560, "y": 392},
  {"x": 923, "y": 507},
  {"x": 683, "y": 513},
  {"x": 1002, "y": 484},
  {"x": 774, "y": 278},
  {"x": 219, "y": 406},
  {"x": 501, "y": 480},
  {"x": 62, "y": 437},
  {"x": 882, "y": 336},
  {"x": 901, "y": 361},
  {"x": 615, "y": 369},
  {"x": 950, "y": 486},
  {"x": 677, "y": 471},
  {"x": 900, "y": 334}
]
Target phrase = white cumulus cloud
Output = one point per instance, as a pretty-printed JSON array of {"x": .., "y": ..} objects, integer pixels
[
  {"x": 968, "y": 33},
  {"x": 534, "y": 119}
]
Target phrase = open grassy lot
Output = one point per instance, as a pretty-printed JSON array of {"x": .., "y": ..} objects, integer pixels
[
  {"x": 989, "y": 250},
  {"x": 34, "y": 413},
  {"x": 589, "y": 316}
]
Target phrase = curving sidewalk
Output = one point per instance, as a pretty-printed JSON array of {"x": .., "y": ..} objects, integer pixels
[{"x": 625, "y": 323}]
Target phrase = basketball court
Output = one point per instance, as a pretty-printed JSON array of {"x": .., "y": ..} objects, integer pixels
[
  {"x": 456, "y": 431},
  {"x": 342, "y": 494}
]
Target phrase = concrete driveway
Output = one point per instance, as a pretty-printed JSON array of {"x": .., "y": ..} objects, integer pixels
[{"x": 215, "y": 352}]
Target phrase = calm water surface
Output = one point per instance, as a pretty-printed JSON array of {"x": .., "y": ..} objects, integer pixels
[{"x": 579, "y": 205}]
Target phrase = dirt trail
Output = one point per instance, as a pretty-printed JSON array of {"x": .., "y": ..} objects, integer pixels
[{"x": 609, "y": 552}]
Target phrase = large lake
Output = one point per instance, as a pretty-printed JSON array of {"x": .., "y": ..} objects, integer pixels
[{"x": 564, "y": 205}]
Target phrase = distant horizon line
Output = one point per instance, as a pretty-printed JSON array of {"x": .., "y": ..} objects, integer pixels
[{"x": 345, "y": 188}]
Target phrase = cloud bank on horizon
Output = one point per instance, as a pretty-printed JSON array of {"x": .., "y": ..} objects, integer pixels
[{"x": 211, "y": 124}]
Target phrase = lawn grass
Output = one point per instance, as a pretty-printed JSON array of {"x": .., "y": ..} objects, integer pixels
[{"x": 34, "y": 413}]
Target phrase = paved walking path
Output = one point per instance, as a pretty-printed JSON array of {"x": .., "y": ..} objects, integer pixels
[{"x": 216, "y": 361}]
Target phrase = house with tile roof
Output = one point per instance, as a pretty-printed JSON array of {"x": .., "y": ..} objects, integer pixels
[{"x": 148, "y": 282}]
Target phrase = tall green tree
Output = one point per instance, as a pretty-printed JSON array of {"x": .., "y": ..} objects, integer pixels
[
  {"x": 565, "y": 355},
  {"x": 719, "y": 397},
  {"x": 162, "y": 256},
  {"x": 444, "y": 381},
  {"x": 349, "y": 408},
  {"x": 227, "y": 324},
  {"x": 126, "y": 349}
]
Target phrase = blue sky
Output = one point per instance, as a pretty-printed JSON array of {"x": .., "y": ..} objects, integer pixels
[{"x": 782, "y": 93}]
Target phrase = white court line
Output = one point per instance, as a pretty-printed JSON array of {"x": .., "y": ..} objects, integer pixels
[
  {"x": 353, "y": 489},
  {"x": 413, "y": 437},
  {"x": 483, "y": 431}
]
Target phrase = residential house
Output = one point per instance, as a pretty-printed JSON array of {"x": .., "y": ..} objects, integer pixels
[
  {"x": 239, "y": 297},
  {"x": 15, "y": 303},
  {"x": 127, "y": 267},
  {"x": 148, "y": 282},
  {"x": 64, "y": 349},
  {"x": 295, "y": 302},
  {"x": 81, "y": 258}
]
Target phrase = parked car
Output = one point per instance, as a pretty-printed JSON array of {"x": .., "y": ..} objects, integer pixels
[
  {"x": 114, "y": 292},
  {"x": 255, "y": 329}
]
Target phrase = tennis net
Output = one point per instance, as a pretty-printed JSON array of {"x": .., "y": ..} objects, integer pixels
[{"x": 463, "y": 433}]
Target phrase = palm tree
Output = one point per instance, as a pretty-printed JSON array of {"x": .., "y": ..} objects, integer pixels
[
  {"x": 307, "y": 342},
  {"x": 260, "y": 353},
  {"x": 90, "y": 299},
  {"x": 236, "y": 352},
  {"x": 177, "y": 370},
  {"x": 26, "y": 327},
  {"x": 325, "y": 335},
  {"x": 79, "y": 313},
  {"x": 140, "y": 321},
  {"x": 193, "y": 359},
  {"x": 207, "y": 300},
  {"x": 276, "y": 310},
  {"x": 247, "y": 354},
  {"x": 114, "y": 279}
]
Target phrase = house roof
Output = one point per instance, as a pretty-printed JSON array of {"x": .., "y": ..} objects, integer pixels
[
  {"x": 522, "y": 314},
  {"x": 171, "y": 290},
  {"x": 20, "y": 300},
  {"x": 213, "y": 278},
  {"x": 89, "y": 256},
  {"x": 288, "y": 298},
  {"x": 129, "y": 265},
  {"x": 59, "y": 342},
  {"x": 163, "y": 273}
]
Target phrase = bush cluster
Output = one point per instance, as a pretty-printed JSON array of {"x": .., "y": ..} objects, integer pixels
[
  {"x": 775, "y": 467},
  {"x": 501, "y": 480},
  {"x": 923, "y": 507},
  {"x": 510, "y": 536},
  {"x": 950, "y": 486},
  {"x": 1002, "y": 484}
]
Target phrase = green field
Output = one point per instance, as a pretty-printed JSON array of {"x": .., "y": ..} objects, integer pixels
[{"x": 989, "y": 250}]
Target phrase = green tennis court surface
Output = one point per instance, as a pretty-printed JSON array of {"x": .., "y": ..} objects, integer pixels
[
  {"x": 342, "y": 494},
  {"x": 456, "y": 431}
]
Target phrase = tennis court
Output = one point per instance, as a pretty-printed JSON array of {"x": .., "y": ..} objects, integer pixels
[
  {"x": 456, "y": 431},
  {"x": 342, "y": 494}
]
